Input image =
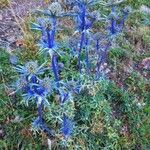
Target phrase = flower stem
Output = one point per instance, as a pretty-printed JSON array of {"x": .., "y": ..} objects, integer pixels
[
  {"x": 87, "y": 55},
  {"x": 55, "y": 69}
]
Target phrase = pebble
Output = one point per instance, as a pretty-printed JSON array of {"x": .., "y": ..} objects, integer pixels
[
  {"x": 146, "y": 63},
  {"x": 1, "y": 17}
]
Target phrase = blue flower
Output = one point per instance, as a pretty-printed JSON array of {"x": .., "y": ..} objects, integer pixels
[
  {"x": 54, "y": 11},
  {"x": 116, "y": 22},
  {"x": 84, "y": 21},
  {"x": 30, "y": 68},
  {"x": 21, "y": 83}
]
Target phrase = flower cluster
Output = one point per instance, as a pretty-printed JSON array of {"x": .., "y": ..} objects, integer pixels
[
  {"x": 33, "y": 88},
  {"x": 89, "y": 48}
]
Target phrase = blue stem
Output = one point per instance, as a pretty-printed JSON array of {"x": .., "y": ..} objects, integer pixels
[
  {"x": 53, "y": 31},
  {"x": 113, "y": 26},
  {"x": 49, "y": 38},
  {"x": 51, "y": 41},
  {"x": 87, "y": 55},
  {"x": 43, "y": 125},
  {"x": 83, "y": 15},
  {"x": 80, "y": 49},
  {"x": 122, "y": 21},
  {"x": 66, "y": 126},
  {"x": 113, "y": 23},
  {"x": 97, "y": 45},
  {"x": 55, "y": 69}
]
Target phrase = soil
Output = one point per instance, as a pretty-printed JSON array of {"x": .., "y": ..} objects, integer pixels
[{"x": 17, "y": 9}]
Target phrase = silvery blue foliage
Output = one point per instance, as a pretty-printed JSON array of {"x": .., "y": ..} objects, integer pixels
[
  {"x": 54, "y": 10},
  {"x": 73, "y": 45},
  {"x": 48, "y": 31},
  {"x": 84, "y": 20},
  {"x": 33, "y": 88},
  {"x": 39, "y": 124},
  {"x": 93, "y": 46},
  {"x": 67, "y": 90},
  {"x": 116, "y": 22},
  {"x": 30, "y": 68},
  {"x": 30, "y": 84}
]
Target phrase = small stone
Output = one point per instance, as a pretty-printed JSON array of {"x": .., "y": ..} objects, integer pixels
[
  {"x": 145, "y": 9},
  {"x": 1, "y": 17},
  {"x": 11, "y": 39},
  {"x": 1, "y": 133},
  {"x": 146, "y": 63}
]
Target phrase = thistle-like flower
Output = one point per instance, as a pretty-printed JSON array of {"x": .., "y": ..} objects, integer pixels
[
  {"x": 55, "y": 9},
  {"x": 30, "y": 68},
  {"x": 116, "y": 22},
  {"x": 47, "y": 84},
  {"x": 21, "y": 83}
]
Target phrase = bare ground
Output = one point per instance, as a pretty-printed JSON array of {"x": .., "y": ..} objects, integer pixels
[{"x": 12, "y": 16}]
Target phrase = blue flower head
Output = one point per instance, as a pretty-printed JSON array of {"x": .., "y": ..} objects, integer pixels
[
  {"x": 39, "y": 124},
  {"x": 55, "y": 9},
  {"x": 116, "y": 21},
  {"x": 21, "y": 83},
  {"x": 30, "y": 84},
  {"x": 42, "y": 89},
  {"x": 47, "y": 85},
  {"x": 30, "y": 68},
  {"x": 84, "y": 19}
]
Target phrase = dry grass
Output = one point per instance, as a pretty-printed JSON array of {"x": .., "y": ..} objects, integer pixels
[{"x": 3, "y": 3}]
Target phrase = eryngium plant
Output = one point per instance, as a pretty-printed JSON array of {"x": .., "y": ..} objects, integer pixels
[
  {"x": 48, "y": 28},
  {"x": 35, "y": 89},
  {"x": 92, "y": 47}
]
